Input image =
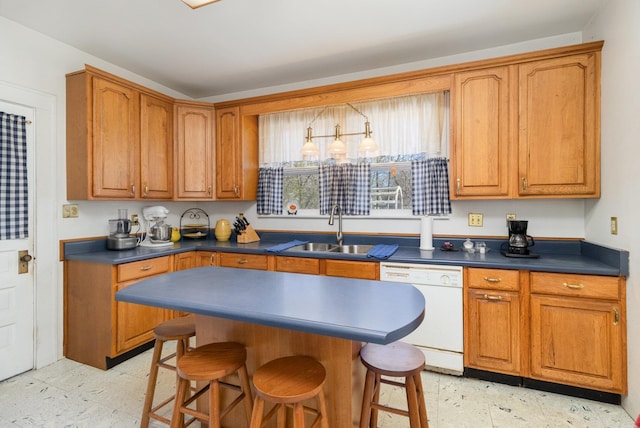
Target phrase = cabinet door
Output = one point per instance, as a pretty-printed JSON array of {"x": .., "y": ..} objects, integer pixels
[
  {"x": 578, "y": 342},
  {"x": 352, "y": 269},
  {"x": 194, "y": 152},
  {"x": 156, "y": 148},
  {"x": 229, "y": 153},
  {"x": 205, "y": 258},
  {"x": 115, "y": 141},
  {"x": 184, "y": 261},
  {"x": 492, "y": 331},
  {"x": 559, "y": 126},
  {"x": 297, "y": 265},
  {"x": 135, "y": 323},
  {"x": 480, "y": 149}
]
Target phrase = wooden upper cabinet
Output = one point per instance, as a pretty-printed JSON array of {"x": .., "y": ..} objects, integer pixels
[
  {"x": 156, "y": 148},
  {"x": 559, "y": 126},
  {"x": 480, "y": 147},
  {"x": 118, "y": 139},
  {"x": 236, "y": 155},
  {"x": 194, "y": 151}
]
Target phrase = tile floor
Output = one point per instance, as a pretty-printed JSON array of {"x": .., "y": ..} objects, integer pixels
[{"x": 69, "y": 394}]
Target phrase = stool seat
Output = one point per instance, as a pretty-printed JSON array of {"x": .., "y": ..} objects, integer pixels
[
  {"x": 290, "y": 381},
  {"x": 176, "y": 328},
  {"x": 181, "y": 330},
  {"x": 212, "y": 363},
  {"x": 395, "y": 359},
  {"x": 398, "y": 360}
]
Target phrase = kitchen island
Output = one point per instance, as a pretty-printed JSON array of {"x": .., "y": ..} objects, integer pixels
[{"x": 276, "y": 314}]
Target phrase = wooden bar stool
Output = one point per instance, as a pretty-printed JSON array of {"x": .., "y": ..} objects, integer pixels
[
  {"x": 178, "y": 329},
  {"x": 398, "y": 360},
  {"x": 212, "y": 363},
  {"x": 289, "y": 381}
]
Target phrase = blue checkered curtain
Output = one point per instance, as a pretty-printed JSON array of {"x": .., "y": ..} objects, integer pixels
[
  {"x": 430, "y": 186},
  {"x": 346, "y": 185},
  {"x": 14, "y": 196},
  {"x": 270, "y": 190}
]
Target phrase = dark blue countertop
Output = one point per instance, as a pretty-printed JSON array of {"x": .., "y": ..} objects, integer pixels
[
  {"x": 564, "y": 256},
  {"x": 330, "y": 306}
]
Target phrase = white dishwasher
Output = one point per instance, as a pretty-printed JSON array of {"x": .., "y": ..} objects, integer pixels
[{"x": 440, "y": 336}]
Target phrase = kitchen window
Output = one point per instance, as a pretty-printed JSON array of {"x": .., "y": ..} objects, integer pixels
[{"x": 405, "y": 129}]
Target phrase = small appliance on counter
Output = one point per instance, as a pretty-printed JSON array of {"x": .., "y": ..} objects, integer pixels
[
  {"x": 158, "y": 233},
  {"x": 519, "y": 241},
  {"x": 120, "y": 232}
]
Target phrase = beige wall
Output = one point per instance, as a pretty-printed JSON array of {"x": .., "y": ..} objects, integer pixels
[{"x": 617, "y": 24}]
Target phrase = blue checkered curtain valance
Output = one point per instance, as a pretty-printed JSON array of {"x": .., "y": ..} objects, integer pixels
[
  {"x": 346, "y": 185},
  {"x": 14, "y": 197},
  {"x": 430, "y": 186},
  {"x": 270, "y": 182}
]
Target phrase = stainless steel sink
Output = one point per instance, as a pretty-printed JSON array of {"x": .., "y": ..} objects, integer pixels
[
  {"x": 352, "y": 249},
  {"x": 315, "y": 246},
  {"x": 322, "y": 247}
]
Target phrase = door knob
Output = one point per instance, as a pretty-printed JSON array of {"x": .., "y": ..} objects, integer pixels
[{"x": 23, "y": 261}]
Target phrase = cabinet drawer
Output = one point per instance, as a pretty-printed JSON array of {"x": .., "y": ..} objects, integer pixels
[
  {"x": 493, "y": 279},
  {"x": 143, "y": 268},
  {"x": 561, "y": 284},
  {"x": 350, "y": 269},
  {"x": 297, "y": 265},
  {"x": 245, "y": 261}
]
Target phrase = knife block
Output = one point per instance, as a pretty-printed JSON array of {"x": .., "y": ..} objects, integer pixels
[{"x": 248, "y": 235}]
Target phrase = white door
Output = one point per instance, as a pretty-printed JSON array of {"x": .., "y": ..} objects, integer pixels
[{"x": 17, "y": 334}]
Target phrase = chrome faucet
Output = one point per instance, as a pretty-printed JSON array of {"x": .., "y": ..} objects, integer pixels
[{"x": 337, "y": 208}]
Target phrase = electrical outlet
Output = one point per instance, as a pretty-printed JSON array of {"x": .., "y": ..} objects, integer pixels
[
  {"x": 70, "y": 211},
  {"x": 614, "y": 225},
  {"x": 134, "y": 220},
  {"x": 511, "y": 217},
  {"x": 475, "y": 219}
]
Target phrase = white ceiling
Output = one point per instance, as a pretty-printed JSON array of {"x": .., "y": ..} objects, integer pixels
[{"x": 238, "y": 45}]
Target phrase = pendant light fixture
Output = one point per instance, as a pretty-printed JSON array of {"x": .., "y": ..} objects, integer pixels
[
  {"x": 194, "y": 4},
  {"x": 338, "y": 149}
]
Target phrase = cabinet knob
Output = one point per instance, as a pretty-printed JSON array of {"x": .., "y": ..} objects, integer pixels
[
  {"x": 458, "y": 185},
  {"x": 133, "y": 190},
  {"x": 490, "y": 297},
  {"x": 616, "y": 316},
  {"x": 243, "y": 261},
  {"x": 524, "y": 184},
  {"x": 488, "y": 279}
]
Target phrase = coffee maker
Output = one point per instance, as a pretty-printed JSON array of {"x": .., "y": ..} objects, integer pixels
[
  {"x": 120, "y": 232},
  {"x": 519, "y": 241}
]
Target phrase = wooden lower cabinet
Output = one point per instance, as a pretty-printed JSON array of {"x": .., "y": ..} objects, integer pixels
[
  {"x": 205, "y": 258},
  {"x": 244, "y": 261},
  {"x": 492, "y": 339},
  {"x": 562, "y": 328},
  {"x": 183, "y": 261},
  {"x": 297, "y": 265},
  {"x": 576, "y": 338},
  {"x": 352, "y": 269},
  {"x": 492, "y": 320},
  {"x": 97, "y": 328}
]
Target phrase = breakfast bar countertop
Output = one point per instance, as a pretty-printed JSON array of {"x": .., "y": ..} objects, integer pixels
[{"x": 361, "y": 310}]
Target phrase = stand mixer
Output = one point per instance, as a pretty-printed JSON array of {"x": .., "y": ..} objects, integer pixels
[{"x": 158, "y": 233}]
